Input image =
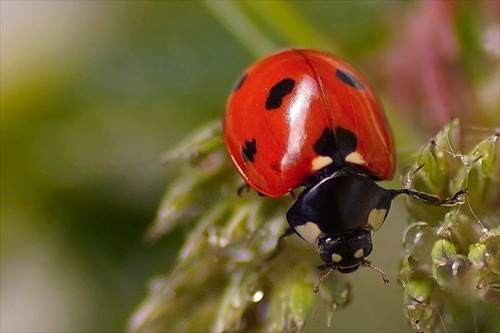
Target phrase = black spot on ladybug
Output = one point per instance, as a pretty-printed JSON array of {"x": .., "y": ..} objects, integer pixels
[
  {"x": 239, "y": 82},
  {"x": 249, "y": 150},
  {"x": 336, "y": 144},
  {"x": 278, "y": 92},
  {"x": 349, "y": 79}
]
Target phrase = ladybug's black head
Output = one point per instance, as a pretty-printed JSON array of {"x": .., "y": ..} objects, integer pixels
[{"x": 345, "y": 252}]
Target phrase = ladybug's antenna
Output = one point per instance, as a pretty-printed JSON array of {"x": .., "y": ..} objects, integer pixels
[
  {"x": 322, "y": 279},
  {"x": 366, "y": 263}
]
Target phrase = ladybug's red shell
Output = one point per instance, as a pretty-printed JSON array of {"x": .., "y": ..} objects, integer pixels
[{"x": 298, "y": 111}]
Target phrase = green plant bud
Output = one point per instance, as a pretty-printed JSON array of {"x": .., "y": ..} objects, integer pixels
[
  {"x": 442, "y": 252},
  {"x": 460, "y": 229},
  {"x": 436, "y": 163},
  {"x": 477, "y": 256},
  {"x": 196, "y": 148},
  {"x": 419, "y": 313},
  {"x": 492, "y": 253},
  {"x": 453, "y": 272},
  {"x": 336, "y": 293},
  {"x": 486, "y": 264},
  {"x": 418, "y": 239},
  {"x": 461, "y": 243},
  {"x": 480, "y": 173},
  {"x": 491, "y": 294},
  {"x": 290, "y": 302},
  {"x": 450, "y": 269}
]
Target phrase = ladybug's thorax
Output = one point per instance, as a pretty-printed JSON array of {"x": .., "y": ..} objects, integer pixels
[{"x": 338, "y": 204}]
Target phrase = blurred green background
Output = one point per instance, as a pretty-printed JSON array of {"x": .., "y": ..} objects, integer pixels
[{"x": 93, "y": 93}]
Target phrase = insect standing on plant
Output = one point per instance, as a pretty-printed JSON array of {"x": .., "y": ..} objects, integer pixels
[{"x": 307, "y": 118}]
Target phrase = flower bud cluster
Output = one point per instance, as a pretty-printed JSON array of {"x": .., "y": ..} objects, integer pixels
[{"x": 451, "y": 265}]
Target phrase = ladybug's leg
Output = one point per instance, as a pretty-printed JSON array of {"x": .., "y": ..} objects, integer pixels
[
  {"x": 289, "y": 231},
  {"x": 430, "y": 199},
  {"x": 245, "y": 187}
]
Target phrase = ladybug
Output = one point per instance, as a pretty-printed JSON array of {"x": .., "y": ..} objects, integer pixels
[{"x": 307, "y": 118}]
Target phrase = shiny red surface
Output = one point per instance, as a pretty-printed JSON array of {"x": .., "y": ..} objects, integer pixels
[{"x": 285, "y": 136}]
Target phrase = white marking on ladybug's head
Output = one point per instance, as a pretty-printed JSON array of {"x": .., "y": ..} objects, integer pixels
[
  {"x": 309, "y": 232},
  {"x": 320, "y": 162},
  {"x": 336, "y": 257},
  {"x": 359, "y": 254},
  {"x": 355, "y": 158},
  {"x": 376, "y": 218}
]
